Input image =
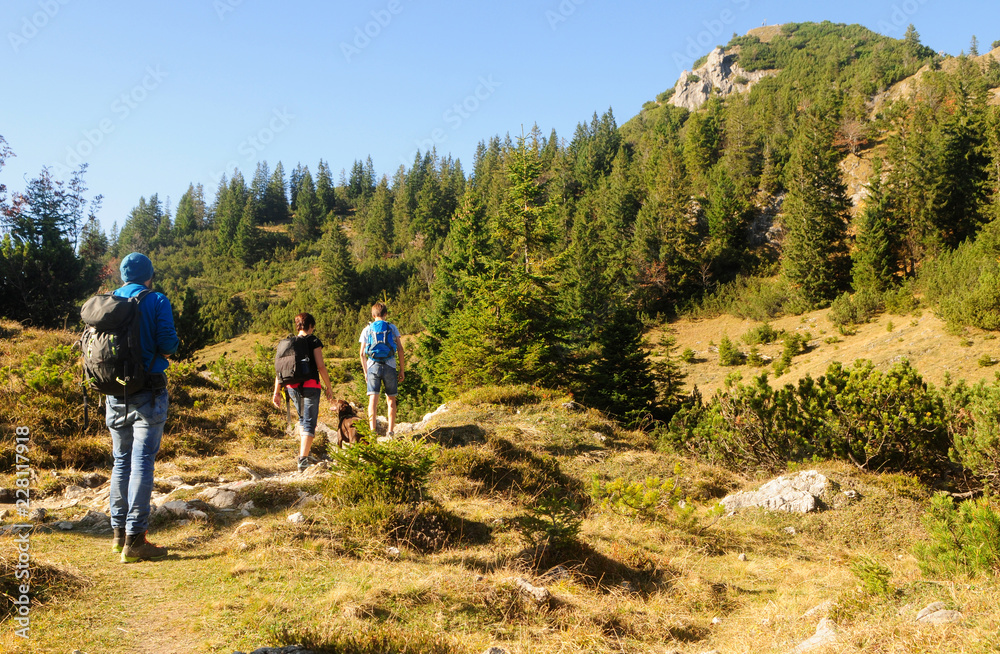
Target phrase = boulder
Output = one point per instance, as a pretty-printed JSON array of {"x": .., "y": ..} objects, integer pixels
[
  {"x": 936, "y": 613},
  {"x": 826, "y": 633},
  {"x": 799, "y": 493},
  {"x": 220, "y": 498}
]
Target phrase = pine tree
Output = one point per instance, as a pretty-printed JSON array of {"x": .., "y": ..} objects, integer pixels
[
  {"x": 874, "y": 264},
  {"x": 189, "y": 324},
  {"x": 376, "y": 222},
  {"x": 246, "y": 244},
  {"x": 186, "y": 221},
  {"x": 275, "y": 208},
  {"x": 338, "y": 272},
  {"x": 524, "y": 224},
  {"x": 229, "y": 207},
  {"x": 306, "y": 221},
  {"x": 815, "y": 253},
  {"x": 324, "y": 189}
]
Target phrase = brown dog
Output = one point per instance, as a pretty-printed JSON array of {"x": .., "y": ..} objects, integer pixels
[{"x": 346, "y": 417}]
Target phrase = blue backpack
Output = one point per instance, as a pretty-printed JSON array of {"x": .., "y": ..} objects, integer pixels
[{"x": 381, "y": 343}]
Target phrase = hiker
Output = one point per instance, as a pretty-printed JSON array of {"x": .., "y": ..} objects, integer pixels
[
  {"x": 136, "y": 420},
  {"x": 305, "y": 394},
  {"x": 380, "y": 345}
]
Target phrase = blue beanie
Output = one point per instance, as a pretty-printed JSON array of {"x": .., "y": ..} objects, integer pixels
[{"x": 136, "y": 268}]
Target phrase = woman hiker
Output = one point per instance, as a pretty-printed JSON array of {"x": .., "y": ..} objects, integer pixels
[{"x": 305, "y": 395}]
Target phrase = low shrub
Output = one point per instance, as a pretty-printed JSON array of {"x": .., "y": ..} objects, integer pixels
[
  {"x": 729, "y": 354},
  {"x": 254, "y": 374},
  {"x": 963, "y": 539},
  {"x": 762, "y": 334},
  {"x": 398, "y": 470}
]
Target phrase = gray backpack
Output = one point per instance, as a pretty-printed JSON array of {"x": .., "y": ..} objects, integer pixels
[{"x": 112, "y": 353}]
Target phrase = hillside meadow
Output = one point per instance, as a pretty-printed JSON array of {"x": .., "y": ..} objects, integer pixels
[{"x": 506, "y": 486}]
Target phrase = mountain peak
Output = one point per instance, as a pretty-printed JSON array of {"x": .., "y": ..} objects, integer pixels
[{"x": 721, "y": 73}]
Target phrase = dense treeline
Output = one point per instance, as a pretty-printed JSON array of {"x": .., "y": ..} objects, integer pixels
[{"x": 542, "y": 263}]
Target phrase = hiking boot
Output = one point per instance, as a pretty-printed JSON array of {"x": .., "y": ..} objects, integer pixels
[
  {"x": 305, "y": 462},
  {"x": 390, "y": 434},
  {"x": 138, "y": 548},
  {"x": 118, "y": 540}
]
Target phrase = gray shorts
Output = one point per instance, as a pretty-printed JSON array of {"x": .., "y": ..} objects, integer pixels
[{"x": 380, "y": 374}]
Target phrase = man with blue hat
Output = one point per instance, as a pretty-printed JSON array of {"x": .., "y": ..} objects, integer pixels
[{"x": 136, "y": 420}]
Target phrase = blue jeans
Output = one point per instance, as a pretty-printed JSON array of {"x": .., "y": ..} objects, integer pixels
[
  {"x": 379, "y": 374},
  {"x": 136, "y": 431},
  {"x": 306, "y": 401}
]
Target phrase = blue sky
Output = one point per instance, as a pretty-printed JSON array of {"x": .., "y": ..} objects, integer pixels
[{"x": 156, "y": 95}]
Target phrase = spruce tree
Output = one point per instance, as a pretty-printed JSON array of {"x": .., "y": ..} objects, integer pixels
[
  {"x": 814, "y": 253},
  {"x": 275, "y": 208},
  {"x": 186, "y": 221},
  {"x": 324, "y": 189},
  {"x": 246, "y": 243},
  {"x": 874, "y": 263},
  {"x": 306, "y": 221},
  {"x": 337, "y": 267}
]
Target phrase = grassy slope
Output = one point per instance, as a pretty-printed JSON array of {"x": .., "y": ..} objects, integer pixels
[
  {"x": 319, "y": 581},
  {"x": 922, "y": 338}
]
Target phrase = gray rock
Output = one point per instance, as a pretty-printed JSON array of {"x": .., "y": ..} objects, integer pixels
[
  {"x": 254, "y": 475},
  {"x": 933, "y": 607},
  {"x": 572, "y": 406},
  {"x": 296, "y": 517},
  {"x": 65, "y": 526},
  {"x": 92, "y": 519},
  {"x": 742, "y": 556},
  {"x": 73, "y": 492},
  {"x": 719, "y": 72},
  {"x": 821, "y": 608},
  {"x": 538, "y": 593},
  {"x": 789, "y": 530},
  {"x": 177, "y": 507},
  {"x": 4, "y": 514},
  {"x": 936, "y": 613},
  {"x": 93, "y": 479},
  {"x": 37, "y": 515},
  {"x": 826, "y": 633},
  {"x": 219, "y": 497},
  {"x": 799, "y": 493},
  {"x": 495, "y": 650},
  {"x": 392, "y": 552}
]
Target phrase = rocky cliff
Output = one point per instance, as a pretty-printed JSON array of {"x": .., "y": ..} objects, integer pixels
[{"x": 719, "y": 72}]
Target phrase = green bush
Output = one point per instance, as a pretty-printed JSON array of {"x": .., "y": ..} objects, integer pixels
[
  {"x": 963, "y": 539},
  {"x": 877, "y": 420},
  {"x": 976, "y": 429},
  {"x": 729, "y": 354},
  {"x": 551, "y": 521},
  {"x": 254, "y": 373},
  {"x": 854, "y": 310},
  {"x": 646, "y": 500},
  {"x": 687, "y": 356},
  {"x": 762, "y": 334},
  {"x": 54, "y": 370},
  {"x": 874, "y": 576},
  {"x": 398, "y": 470}
]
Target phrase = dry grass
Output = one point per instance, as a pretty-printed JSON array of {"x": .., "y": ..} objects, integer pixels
[
  {"x": 623, "y": 585},
  {"x": 923, "y": 339}
]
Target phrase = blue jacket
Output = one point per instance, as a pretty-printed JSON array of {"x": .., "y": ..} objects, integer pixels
[{"x": 156, "y": 334}]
